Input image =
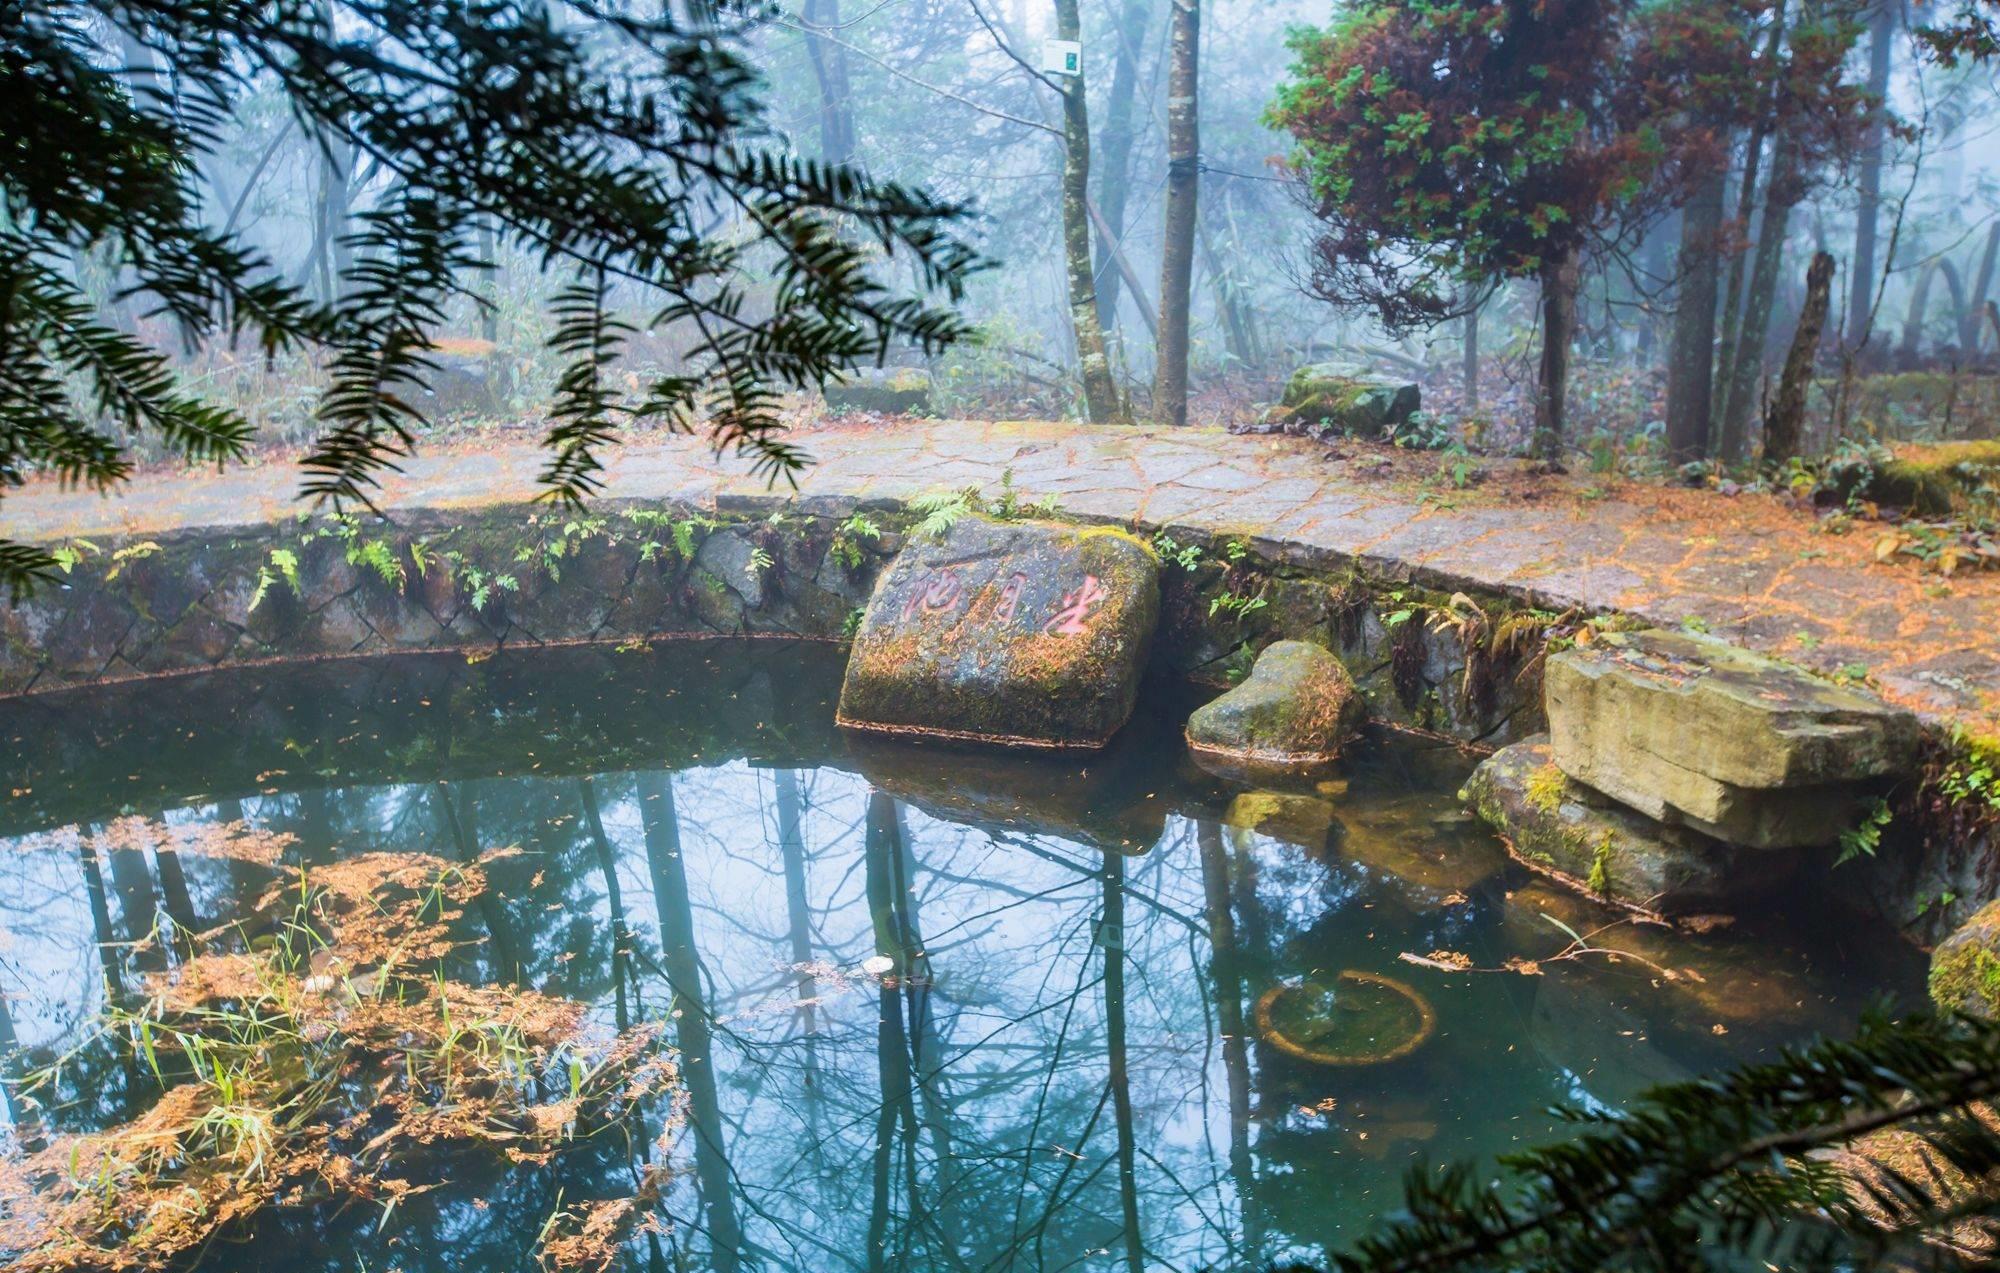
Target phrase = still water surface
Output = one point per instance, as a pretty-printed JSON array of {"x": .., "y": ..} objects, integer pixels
[{"x": 1063, "y": 1070}]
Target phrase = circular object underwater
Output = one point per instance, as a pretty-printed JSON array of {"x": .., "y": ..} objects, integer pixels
[{"x": 1364, "y": 1018}]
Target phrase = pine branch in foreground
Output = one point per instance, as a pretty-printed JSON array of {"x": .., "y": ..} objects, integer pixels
[
  {"x": 621, "y": 145},
  {"x": 1876, "y": 1152}
]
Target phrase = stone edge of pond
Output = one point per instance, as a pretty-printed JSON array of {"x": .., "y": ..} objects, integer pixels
[{"x": 1431, "y": 650}]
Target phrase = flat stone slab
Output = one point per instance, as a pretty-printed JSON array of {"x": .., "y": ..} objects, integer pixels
[
  {"x": 1028, "y": 634},
  {"x": 1696, "y": 732},
  {"x": 1562, "y": 828},
  {"x": 1295, "y": 710}
]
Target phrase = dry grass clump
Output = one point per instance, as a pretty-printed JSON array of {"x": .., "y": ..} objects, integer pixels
[{"x": 332, "y": 1062}]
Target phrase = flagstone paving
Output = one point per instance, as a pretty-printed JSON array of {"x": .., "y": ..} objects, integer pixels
[{"x": 1746, "y": 568}]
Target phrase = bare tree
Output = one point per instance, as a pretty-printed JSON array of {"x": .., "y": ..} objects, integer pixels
[
  {"x": 1100, "y": 392},
  {"x": 1170, "y": 377}
]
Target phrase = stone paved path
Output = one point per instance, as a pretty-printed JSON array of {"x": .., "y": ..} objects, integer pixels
[{"x": 1746, "y": 567}]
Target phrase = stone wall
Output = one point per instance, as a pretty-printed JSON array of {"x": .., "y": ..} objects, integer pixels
[
  {"x": 1463, "y": 666},
  {"x": 527, "y": 575},
  {"x": 434, "y": 580}
]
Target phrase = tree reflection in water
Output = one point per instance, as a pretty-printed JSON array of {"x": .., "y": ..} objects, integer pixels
[{"x": 947, "y": 1028}]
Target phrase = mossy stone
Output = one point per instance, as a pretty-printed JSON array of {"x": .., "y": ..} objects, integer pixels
[
  {"x": 897, "y": 391},
  {"x": 1939, "y": 479},
  {"x": 1011, "y": 632},
  {"x": 1296, "y": 709},
  {"x": 1335, "y": 396},
  {"x": 1565, "y": 830},
  {"x": 1302, "y": 820},
  {"x": 1965, "y": 967},
  {"x": 1695, "y": 732}
]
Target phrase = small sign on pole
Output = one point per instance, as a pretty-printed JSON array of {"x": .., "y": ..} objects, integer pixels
[{"x": 1062, "y": 57}]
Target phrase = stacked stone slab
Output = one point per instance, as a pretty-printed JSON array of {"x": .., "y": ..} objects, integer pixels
[{"x": 1689, "y": 766}]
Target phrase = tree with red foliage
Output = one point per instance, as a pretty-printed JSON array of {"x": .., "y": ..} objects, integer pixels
[{"x": 1445, "y": 144}]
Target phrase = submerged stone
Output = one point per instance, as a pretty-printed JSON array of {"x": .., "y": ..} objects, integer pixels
[
  {"x": 891, "y": 391},
  {"x": 1562, "y": 828},
  {"x": 1295, "y": 710},
  {"x": 1337, "y": 397},
  {"x": 1694, "y": 731},
  {"x": 1018, "y": 633},
  {"x": 1965, "y": 967},
  {"x": 1303, "y": 820}
]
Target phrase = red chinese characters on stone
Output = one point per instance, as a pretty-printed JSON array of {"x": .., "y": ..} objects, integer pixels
[
  {"x": 1010, "y": 598},
  {"x": 1077, "y": 606},
  {"x": 934, "y": 592}
]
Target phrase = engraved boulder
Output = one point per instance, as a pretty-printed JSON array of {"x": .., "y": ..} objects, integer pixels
[{"x": 1017, "y": 633}]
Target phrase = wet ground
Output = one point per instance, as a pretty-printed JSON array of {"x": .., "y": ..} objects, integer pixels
[{"x": 935, "y": 1009}]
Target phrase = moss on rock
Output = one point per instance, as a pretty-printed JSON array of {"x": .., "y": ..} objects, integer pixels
[
  {"x": 1965, "y": 968},
  {"x": 1296, "y": 710},
  {"x": 1936, "y": 480},
  {"x": 1565, "y": 830},
  {"x": 1333, "y": 396},
  {"x": 1021, "y": 633}
]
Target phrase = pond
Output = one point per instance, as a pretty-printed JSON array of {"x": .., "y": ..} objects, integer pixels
[{"x": 934, "y": 1009}]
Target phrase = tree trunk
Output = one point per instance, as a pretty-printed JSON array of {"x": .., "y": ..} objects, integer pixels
[
  {"x": 1691, "y": 360},
  {"x": 1560, "y": 277},
  {"x": 1786, "y": 421},
  {"x": 464, "y": 835},
  {"x": 1170, "y": 377},
  {"x": 1469, "y": 361},
  {"x": 1236, "y": 326},
  {"x": 1968, "y": 331},
  {"x": 100, "y": 913},
  {"x": 798, "y": 905},
  {"x": 1741, "y": 402},
  {"x": 1861, "y": 279},
  {"x": 1100, "y": 391},
  {"x": 829, "y": 63},
  {"x": 1226, "y": 971},
  {"x": 880, "y": 848},
  {"x": 1913, "y": 319},
  {"x": 1746, "y": 206},
  {"x": 1114, "y": 159},
  {"x": 614, "y": 898},
  {"x": 690, "y": 1015},
  {"x": 1955, "y": 286},
  {"x": 1111, "y": 936}
]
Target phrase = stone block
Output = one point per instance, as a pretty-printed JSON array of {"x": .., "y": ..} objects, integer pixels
[
  {"x": 1339, "y": 397},
  {"x": 1296, "y": 709},
  {"x": 1019, "y": 633},
  {"x": 1562, "y": 828},
  {"x": 1695, "y": 732},
  {"x": 891, "y": 391}
]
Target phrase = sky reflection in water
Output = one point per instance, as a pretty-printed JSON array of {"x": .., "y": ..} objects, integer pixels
[{"x": 1060, "y": 1071}]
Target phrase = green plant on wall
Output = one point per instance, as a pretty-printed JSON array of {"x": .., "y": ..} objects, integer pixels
[
  {"x": 71, "y": 554},
  {"x": 849, "y": 537},
  {"x": 938, "y": 511},
  {"x": 1865, "y": 836},
  {"x": 281, "y": 565},
  {"x": 1236, "y": 604},
  {"x": 1175, "y": 553}
]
